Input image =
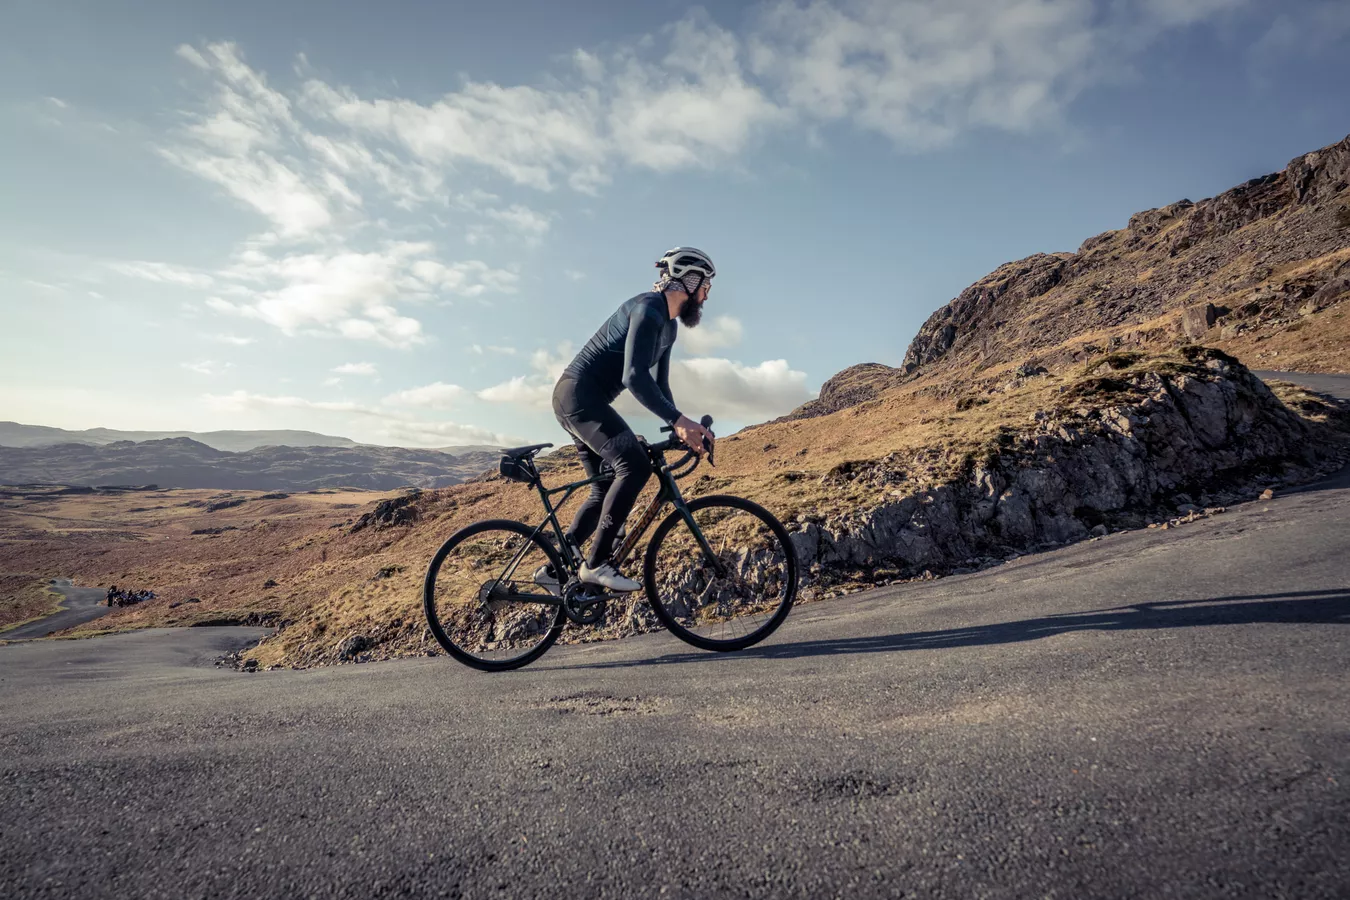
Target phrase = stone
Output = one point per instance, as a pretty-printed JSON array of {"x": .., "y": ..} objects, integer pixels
[
  {"x": 352, "y": 646},
  {"x": 1198, "y": 319},
  {"x": 1099, "y": 531},
  {"x": 1267, "y": 494}
]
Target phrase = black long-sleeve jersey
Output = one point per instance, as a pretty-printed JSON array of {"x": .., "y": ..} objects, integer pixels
[{"x": 622, "y": 354}]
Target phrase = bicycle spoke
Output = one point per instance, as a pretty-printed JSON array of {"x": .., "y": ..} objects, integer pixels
[
  {"x": 477, "y": 596},
  {"x": 737, "y": 597}
]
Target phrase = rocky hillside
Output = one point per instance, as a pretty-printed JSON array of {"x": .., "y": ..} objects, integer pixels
[
  {"x": 1261, "y": 271},
  {"x": 185, "y": 463}
]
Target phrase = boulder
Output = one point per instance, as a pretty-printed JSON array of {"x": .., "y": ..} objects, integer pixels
[
  {"x": 351, "y": 646},
  {"x": 1198, "y": 319}
]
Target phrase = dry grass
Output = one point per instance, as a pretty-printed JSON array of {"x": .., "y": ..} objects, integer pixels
[
  {"x": 1316, "y": 343},
  {"x": 23, "y": 598}
]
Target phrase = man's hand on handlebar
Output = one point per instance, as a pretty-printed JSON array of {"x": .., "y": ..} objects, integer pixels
[{"x": 693, "y": 434}]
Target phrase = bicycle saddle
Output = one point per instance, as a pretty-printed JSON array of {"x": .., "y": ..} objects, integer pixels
[{"x": 523, "y": 452}]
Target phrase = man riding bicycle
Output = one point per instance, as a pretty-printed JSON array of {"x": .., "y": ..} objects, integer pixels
[{"x": 636, "y": 339}]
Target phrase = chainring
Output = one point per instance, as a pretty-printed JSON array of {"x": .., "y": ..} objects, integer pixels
[{"x": 581, "y": 606}]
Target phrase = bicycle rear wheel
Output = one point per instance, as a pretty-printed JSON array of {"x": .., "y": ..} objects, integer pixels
[
  {"x": 479, "y": 595},
  {"x": 739, "y": 596}
]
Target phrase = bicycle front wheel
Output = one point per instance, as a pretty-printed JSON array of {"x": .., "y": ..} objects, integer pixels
[
  {"x": 737, "y": 596},
  {"x": 492, "y": 597}
]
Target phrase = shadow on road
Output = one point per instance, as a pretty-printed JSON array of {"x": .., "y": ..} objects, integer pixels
[
  {"x": 1333, "y": 482},
  {"x": 1331, "y": 606}
]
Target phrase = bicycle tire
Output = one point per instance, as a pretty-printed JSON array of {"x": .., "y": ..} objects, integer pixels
[
  {"x": 649, "y": 574},
  {"x": 429, "y": 596}
]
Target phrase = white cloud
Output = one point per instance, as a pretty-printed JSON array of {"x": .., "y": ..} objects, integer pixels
[
  {"x": 522, "y": 219},
  {"x": 358, "y": 368},
  {"x": 468, "y": 279},
  {"x": 349, "y": 293},
  {"x": 207, "y": 367},
  {"x": 1303, "y": 29},
  {"x": 391, "y": 427},
  {"x": 57, "y": 102},
  {"x": 232, "y": 339},
  {"x": 550, "y": 363},
  {"x": 445, "y": 434},
  {"x": 1173, "y": 13},
  {"x": 691, "y": 107},
  {"x": 243, "y": 401},
  {"x": 922, "y": 72},
  {"x": 163, "y": 273},
  {"x": 732, "y": 390},
  {"x": 438, "y": 395},
  {"x": 523, "y": 390},
  {"x": 722, "y": 331},
  {"x": 241, "y": 141},
  {"x": 308, "y": 157},
  {"x": 695, "y": 109},
  {"x": 533, "y": 391}
]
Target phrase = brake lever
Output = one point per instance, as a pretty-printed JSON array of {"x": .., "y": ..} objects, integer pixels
[{"x": 706, "y": 422}]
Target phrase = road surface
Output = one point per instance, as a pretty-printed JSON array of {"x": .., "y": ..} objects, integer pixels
[{"x": 80, "y": 605}]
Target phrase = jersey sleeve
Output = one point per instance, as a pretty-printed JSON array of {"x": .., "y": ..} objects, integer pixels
[
  {"x": 663, "y": 376},
  {"x": 644, "y": 335}
]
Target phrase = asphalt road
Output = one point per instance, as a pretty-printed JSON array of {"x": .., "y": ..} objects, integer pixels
[
  {"x": 80, "y": 605},
  {"x": 1156, "y": 713},
  {"x": 1336, "y": 385}
]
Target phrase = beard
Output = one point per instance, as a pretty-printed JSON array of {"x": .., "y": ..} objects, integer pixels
[{"x": 691, "y": 312}]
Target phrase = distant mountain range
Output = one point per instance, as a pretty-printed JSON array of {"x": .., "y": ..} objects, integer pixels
[
  {"x": 264, "y": 463},
  {"x": 13, "y": 434}
]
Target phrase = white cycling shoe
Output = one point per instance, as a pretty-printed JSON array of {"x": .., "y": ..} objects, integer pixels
[{"x": 606, "y": 576}]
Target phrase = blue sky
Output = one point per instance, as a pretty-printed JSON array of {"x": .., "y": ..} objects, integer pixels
[{"x": 396, "y": 222}]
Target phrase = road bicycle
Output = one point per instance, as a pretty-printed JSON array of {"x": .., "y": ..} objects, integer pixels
[{"x": 720, "y": 572}]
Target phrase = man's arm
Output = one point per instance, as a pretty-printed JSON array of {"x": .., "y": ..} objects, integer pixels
[
  {"x": 663, "y": 374},
  {"x": 644, "y": 333}
]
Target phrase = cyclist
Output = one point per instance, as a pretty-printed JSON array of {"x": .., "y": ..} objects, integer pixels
[{"x": 636, "y": 339}]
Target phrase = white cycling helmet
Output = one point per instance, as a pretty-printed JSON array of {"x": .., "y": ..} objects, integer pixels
[{"x": 682, "y": 260}]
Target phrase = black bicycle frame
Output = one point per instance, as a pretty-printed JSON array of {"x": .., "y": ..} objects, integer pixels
[{"x": 667, "y": 492}]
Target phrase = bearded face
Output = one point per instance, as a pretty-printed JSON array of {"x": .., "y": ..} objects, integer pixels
[{"x": 691, "y": 310}]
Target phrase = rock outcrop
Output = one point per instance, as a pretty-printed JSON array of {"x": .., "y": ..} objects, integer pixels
[
  {"x": 1273, "y": 243},
  {"x": 856, "y": 384},
  {"x": 1256, "y": 258},
  {"x": 1151, "y": 440}
]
